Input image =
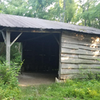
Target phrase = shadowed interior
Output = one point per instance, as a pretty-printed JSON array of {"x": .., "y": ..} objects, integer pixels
[{"x": 41, "y": 54}]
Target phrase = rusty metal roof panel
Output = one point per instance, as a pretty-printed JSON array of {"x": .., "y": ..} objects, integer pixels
[{"x": 14, "y": 21}]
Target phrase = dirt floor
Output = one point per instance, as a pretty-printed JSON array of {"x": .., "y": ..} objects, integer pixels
[{"x": 27, "y": 79}]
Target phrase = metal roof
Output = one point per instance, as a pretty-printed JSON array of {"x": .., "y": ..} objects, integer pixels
[{"x": 14, "y": 21}]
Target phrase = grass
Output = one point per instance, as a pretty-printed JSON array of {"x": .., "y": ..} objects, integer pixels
[{"x": 70, "y": 90}]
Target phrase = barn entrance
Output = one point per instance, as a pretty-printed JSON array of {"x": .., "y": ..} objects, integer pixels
[{"x": 41, "y": 53}]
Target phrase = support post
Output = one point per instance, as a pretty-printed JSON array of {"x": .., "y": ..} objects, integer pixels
[
  {"x": 8, "y": 47},
  {"x": 60, "y": 45}
]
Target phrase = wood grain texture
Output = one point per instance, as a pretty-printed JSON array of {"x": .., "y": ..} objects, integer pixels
[
  {"x": 60, "y": 45},
  {"x": 81, "y": 40},
  {"x": 79, "y": 61},
  {"x": 79, "y": 36},
  {"x": 67, "y": 56},
  {"x": 79, "y": 66},
  {"x": 8, "y": 47},
  {"x": 69, "y": 66},
  {"x": 89, "y": 57},
  {"x": 79, "y": 54},
  {"x": 83, "y": 47},
  {"x": 78, "y": 71},
  {"x": 85, "y": 57},
  {"x": 73, "y": 76}
]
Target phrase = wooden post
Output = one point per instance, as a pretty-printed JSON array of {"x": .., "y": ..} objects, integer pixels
[
  {"x": 60, "y": 45},
  {"x": 8, "y": 47}
]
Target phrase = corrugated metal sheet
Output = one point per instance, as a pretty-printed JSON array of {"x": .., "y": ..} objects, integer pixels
[{"x": 14, "y": 21}]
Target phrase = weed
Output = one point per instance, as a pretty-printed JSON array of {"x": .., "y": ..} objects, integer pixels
[{"x": 9, "y": 89}]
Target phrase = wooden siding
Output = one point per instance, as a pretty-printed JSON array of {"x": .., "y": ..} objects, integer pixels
[{"x": 80, "y": 54}]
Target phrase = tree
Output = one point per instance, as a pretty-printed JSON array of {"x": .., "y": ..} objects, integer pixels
[
  {"x": 30, "y": 8},
  {"x": 70, "y": 10},
  {"x": 95, "y": 16},
  {"x": 38, "y": 8},
  {"x": 14, "y": 7},
  {"x": 88, "y": 13}
]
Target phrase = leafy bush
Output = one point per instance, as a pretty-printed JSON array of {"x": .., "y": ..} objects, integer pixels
[
  {"x": 2, "y": 58},
  {"x": 9, "y": 89},
  {"x": 16, "y": 53}
]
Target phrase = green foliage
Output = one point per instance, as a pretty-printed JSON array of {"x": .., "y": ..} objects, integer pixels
[
  {"x": 2, "y": 52},
  {"x": 16, "y": 53},
  {"x": 69, "y": 10},
  {"x": 54, "y": 13},
  {"x": 88, "y": 13},
  {"x": 88, "y": 74},
  {"x": 85, "y": 12},
  {"x": 9, "y": 89},
  {"x": 14, "y": 7},
  {"x": 2, "y": 58},
  {"x": 71, "y": 90}
]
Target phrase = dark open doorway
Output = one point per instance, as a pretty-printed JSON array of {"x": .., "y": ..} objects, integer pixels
[{"x": 41, "y": 53}]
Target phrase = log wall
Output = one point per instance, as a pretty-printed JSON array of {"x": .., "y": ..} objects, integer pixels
[{"x": 80, "y": 54}]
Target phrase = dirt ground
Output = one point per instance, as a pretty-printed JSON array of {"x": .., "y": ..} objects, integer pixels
[{"x": 27, "y": 79}]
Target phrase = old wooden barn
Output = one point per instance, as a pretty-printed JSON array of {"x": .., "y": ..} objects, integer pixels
[{"x": 50, "y": 46}]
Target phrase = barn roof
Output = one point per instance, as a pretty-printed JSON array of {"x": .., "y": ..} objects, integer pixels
[{"x": 13, "y": 21}]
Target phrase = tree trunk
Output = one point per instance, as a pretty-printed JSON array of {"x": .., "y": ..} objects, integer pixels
[
  {"x": 99, "y": 23},
  {"x": 64, "y": 7},
  {"x": 85, "y": 22}
]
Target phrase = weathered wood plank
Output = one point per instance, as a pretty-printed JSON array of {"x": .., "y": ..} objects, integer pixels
[
  {"x": 69, "y": 66},
  {"x": 89, "y": 66},
  {"x": 79, "y": 51},
  {"x": 80, "y": 42},
  {"x": 66, "y": 56},
  {"x": 32, "y": 30},
  {"x": 78, "y": 66},
  {"x": 78, "y": 71},
  {"x": 80, "y": 36},
  {"x": 79, "y": 61},
  {"x": 76, "y": 39},
  {"x": 71, "y": 46},
  {"x": 8, "y": 47},
  {"x": 89, "y": 57},
  {"x": 73, "y": 76},
  {"x": 76, "y": 46}
]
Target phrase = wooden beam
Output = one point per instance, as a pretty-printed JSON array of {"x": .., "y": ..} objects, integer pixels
[
  {"x": 56, "y": 39},
  {"x": 16, "y": 39},
  {"x": 33, "y": 30},
  {"x": 8, "y": 47}
]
